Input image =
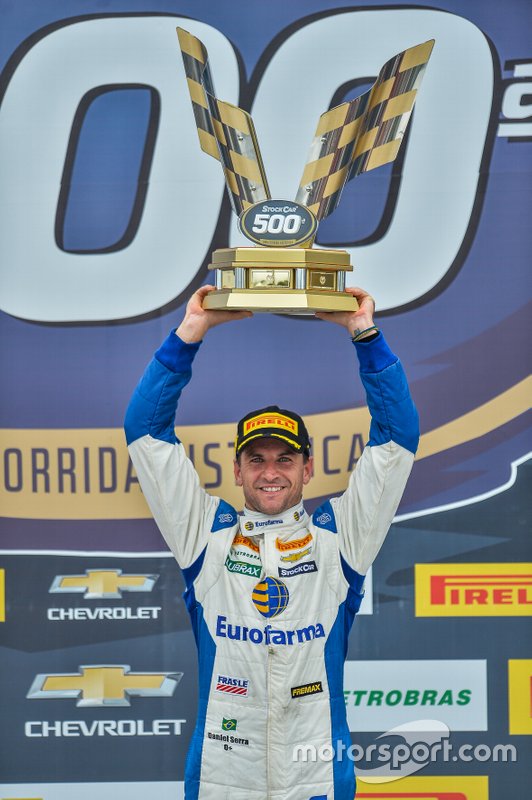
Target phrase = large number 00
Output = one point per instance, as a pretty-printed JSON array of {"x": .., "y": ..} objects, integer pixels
[
  {"x": 277, "y": 223},
  {"x": 40, "y": 282}
]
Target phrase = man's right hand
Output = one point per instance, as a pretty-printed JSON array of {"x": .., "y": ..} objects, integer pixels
[{"x": 198, "y": 320}]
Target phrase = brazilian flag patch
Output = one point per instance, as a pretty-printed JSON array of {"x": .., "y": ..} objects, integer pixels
[{"x": 229, "y": 724}]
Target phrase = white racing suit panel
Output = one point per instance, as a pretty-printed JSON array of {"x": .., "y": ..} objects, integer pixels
[{"x": 271, "y": 599}]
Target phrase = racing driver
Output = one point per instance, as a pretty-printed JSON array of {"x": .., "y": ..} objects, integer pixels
[{"x": 271, "y": 592}]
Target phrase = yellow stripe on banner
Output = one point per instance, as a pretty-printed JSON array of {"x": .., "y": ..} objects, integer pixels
[
  {"x": 482, "y": 420},
  {"x": 86, "y": 474},
  {"x": 432, "y": 787}
]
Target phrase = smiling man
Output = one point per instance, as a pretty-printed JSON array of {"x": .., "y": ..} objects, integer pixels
[{"x": 272, "y": 593}]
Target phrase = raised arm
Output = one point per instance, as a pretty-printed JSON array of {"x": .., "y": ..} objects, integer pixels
[
  {"x": 365, "y": 511},
  {"x": 183, "y": 511}
]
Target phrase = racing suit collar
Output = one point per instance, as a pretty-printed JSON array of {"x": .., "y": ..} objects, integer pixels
[{"x": 253, "y": 522}]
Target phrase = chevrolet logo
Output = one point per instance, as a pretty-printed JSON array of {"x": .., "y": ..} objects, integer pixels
[
  {"x": 104, "y": 685},
  {"x": 103, "y": 583}
]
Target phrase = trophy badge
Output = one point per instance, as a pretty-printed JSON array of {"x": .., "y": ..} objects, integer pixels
[{"x": 282, "y": 272}]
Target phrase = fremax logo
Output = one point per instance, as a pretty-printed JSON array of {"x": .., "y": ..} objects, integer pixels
[{"x": 268, "y": 635}]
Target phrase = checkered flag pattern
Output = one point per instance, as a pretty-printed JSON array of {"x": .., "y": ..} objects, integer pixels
[
  {"x": 364, "y": 133},
  {"x": 225, "y": 131}
]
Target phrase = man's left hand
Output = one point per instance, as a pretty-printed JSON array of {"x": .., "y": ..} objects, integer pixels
[{"x": 353, "y": 320}]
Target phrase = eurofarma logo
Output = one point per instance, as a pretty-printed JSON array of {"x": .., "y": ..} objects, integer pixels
[{"x": 474, "y": 590}]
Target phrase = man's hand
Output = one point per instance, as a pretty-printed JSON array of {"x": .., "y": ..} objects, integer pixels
[
  {"x": 198, "y": 320},
  {"x": 354, "y": 320}
]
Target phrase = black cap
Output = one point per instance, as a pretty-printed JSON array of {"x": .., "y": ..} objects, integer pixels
[{"x": 275, "y": 422}]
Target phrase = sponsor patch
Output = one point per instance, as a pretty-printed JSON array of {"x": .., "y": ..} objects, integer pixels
[
  {"x": 299, "y": 569},
  {"x": 269, "y": 634},
  {"x": 230, "y": 685},
  {"x": 245, "y": 541},
  {"x": 239, "y": 554},
  {"x": 297, "y": 556},
  {"x": 242, "y": 568},
  {"x": 270, "y": 421},
  {"x": 294, "y": 544},
  {"x": 306, "y": 689},
  {"x": 270, "y": 597}
]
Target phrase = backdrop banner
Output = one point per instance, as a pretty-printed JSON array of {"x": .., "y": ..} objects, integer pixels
[{"x": 109, "y": 213}]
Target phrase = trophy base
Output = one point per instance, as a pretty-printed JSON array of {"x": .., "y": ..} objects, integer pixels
[{"x": 277, "y": 301}]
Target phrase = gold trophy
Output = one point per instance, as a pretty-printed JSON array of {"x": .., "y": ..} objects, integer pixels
[{"x": 282, "y": 272}]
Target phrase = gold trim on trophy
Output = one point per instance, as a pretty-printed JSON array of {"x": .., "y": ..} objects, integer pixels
[{"x": 284, "y": 273}]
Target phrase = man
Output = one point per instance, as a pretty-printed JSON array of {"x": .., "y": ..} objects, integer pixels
[{"x": 272, "y": 593}]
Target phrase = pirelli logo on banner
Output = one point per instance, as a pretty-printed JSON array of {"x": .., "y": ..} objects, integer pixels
[
  {"x": 474, "y": 590},
  {"x": 520, "y": 696},
  {"x": 426, "y": 788}
]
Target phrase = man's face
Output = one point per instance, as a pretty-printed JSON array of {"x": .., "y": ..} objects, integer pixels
[{"x": 272, "y": 476}]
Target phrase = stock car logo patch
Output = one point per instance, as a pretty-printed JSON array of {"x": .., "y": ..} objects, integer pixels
[
  {"x": 270, "y": 597},
  {"x": 299, "y": 569}
]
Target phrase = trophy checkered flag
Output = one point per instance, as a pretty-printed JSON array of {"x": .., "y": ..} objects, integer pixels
[
  {"x": 362, "y": 134},
  {"x": 225, "y": 131},
  {"x": 284, "y": 274}
]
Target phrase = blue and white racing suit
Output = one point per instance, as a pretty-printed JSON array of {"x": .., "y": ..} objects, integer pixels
[{"x": 272, "y": 599}]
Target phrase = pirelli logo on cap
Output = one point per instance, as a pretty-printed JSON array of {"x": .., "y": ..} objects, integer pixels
[
  {"x": 434, "y": 787},
  {"x": 474, "y": 590},
  {"x": 272, "y": 420},
  {"x": 306, "y": 689}
]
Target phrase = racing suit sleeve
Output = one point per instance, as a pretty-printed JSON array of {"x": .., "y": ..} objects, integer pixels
[
  {"x": 365, "y": 511},
  {"x": 182, "y": 510}
]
